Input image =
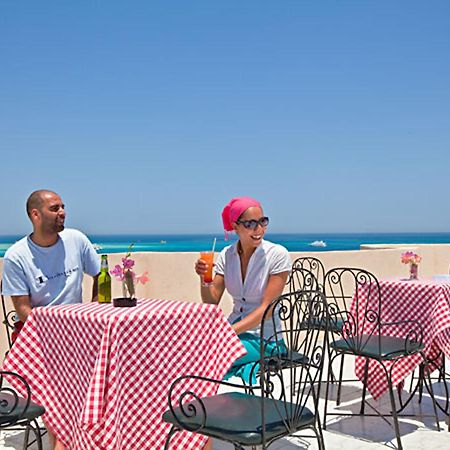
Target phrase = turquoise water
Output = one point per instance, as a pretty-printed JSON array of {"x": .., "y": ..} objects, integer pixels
[{"x": 293, "y": 242}]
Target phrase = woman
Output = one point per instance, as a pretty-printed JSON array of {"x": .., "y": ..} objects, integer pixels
[{"x": 253, "y": 271}]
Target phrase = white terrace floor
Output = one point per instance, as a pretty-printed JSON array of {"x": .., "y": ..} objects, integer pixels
[{"x": 357, "y": 433}]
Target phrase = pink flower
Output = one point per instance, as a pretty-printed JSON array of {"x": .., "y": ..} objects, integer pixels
[
  {"x": 127, "y": 276},
  {"x": 128, "y": 263},
  {"x": 410, "y": 257},
  {"x": 143, "y": 278},
  {"x": 117, "y": 272}
]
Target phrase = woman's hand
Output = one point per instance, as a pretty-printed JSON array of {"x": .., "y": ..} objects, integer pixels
[
  {"x": 211, "y": 293},
  {"x": 201, "y": 267}
]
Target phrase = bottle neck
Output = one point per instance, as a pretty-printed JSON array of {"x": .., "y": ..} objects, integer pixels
[{"x": 104, "y": 265}]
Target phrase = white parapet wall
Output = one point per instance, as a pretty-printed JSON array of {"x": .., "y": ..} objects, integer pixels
[{"x": 172, "y": 275}]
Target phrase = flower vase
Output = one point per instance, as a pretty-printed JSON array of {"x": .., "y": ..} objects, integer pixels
[
  {"x": 128, "y": 284},
  {"x": 413, "y": 271},
  {"x": 128, "y": 298}
]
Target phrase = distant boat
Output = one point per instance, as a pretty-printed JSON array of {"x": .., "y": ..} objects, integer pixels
[
  {"x": 163, "y": 242},
  {"x": 318, "y": 244}
]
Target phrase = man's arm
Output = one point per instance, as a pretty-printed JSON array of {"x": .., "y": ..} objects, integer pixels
[{"x": 22, "y": 305}]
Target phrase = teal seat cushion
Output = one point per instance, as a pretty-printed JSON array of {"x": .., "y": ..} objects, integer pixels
[
  {"x": 7, "y": 416},
  {"x": 293, "y": 358},
  {"x": 386, "y": 347},
  {"x": 236, "y": 417},
  {"x": 334, "y": 324}
]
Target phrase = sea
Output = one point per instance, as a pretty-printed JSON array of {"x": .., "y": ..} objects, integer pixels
[{"x": 298, "y": 242}]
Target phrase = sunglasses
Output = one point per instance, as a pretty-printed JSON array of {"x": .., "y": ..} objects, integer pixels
[{"x": 252, "y": 224}]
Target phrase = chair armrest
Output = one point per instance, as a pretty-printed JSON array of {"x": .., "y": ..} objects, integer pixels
[
  {"x": 185, "y": 404},
  {"x": 413, "y": 333},
  {"x": 13, "y": 407}
]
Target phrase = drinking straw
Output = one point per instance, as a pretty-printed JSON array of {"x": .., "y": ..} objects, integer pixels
[{"x": 214, "y": 244}]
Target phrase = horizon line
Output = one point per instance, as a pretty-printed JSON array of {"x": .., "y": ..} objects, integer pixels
[{"x": 268, "y": 233}]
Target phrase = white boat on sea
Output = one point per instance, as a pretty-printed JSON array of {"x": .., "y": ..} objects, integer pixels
[{"x": 318, "y": 244}]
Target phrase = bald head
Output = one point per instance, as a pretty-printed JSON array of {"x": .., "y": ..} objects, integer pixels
[{"x": 36, "y": 200}]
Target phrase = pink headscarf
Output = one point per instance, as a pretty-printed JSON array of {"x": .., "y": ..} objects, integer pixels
[{"x": 234, "y": 209}]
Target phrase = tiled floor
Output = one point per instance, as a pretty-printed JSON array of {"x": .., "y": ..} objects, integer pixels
[{"x": 357, "y": 433}]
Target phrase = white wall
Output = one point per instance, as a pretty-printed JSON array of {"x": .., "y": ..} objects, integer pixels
[{"x": 172, "y": 275}]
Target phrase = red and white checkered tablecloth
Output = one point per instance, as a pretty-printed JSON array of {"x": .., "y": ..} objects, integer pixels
[
  {"x": 103, "y": 373},
  {"x": 426, "y": 301}
]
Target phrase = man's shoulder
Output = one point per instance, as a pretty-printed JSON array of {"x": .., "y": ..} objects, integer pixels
[
  {"x": 17, "y": 249},
  {"x": 72, "y": 234}
]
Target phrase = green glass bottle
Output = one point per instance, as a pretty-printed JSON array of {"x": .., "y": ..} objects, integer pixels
[{"x": 104, "y": 282}]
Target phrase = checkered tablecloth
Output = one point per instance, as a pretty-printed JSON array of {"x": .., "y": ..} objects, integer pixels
[
  {"x": 426, "y": 301},
  {"x": 103, "y": 373}
]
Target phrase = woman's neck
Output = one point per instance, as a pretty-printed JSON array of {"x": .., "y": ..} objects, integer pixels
[{"x": 245, "y": 252}]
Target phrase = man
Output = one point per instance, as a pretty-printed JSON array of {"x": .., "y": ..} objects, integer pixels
[{"x": 46, "y": 268}]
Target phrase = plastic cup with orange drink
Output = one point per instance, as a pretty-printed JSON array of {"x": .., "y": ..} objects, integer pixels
[{"x": 208, "y": 257}]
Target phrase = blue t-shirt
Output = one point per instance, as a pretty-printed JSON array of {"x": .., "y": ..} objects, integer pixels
[{"x": 50, "y": 275}]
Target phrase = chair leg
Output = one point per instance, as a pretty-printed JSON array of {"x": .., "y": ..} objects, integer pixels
[
  {"x": 433, "y": 399},
  {"x": 441, "y": 373},
  {"x": 37, "y": 433},
  {"x": 421, "y": 380},
  {"x": 27, "y": 436},
  {"x": 363, "y": 397},
  {"x": 429, "y": 388},
  {"x": 327, "y": 389},
  {"x": 341, "y": 373},
  {"x": 319, "y": 436},
  {"x": 445, "y": 407},
  {"x": 394, "y": 414},
  {"x": 412, "y": 380},
  {"x": 172, "y": 431},
  {"x": 440, "y": 366},
  {"x": 330, "y": 354}
]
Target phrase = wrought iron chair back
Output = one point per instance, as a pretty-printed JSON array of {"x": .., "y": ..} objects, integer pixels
[
  {"x": 345, "y": 286},
  {"x": 297, "y": 380},
  {"x": 18, "y": 411},
  {"x": 286, "y": 399},
  {"x": 13, "y": 407},
  {"x": 314, "y": 265},
  {"x": 301, "y": 278}
]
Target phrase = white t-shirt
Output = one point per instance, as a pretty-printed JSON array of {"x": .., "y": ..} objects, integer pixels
[
  {"x": 267, "y": 259},
  {"x": 50, "y": 275}
]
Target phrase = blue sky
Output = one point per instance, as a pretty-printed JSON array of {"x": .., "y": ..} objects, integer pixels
[{"x": 148, "y": 116}]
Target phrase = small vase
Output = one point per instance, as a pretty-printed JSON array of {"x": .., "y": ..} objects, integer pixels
[
  {"x": 128, "y": 290},
  {"x": 413, "y": 271},
  {"x": 128, "y": 299}
]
